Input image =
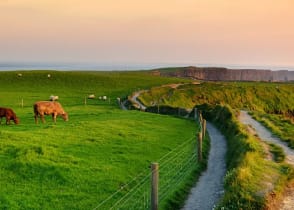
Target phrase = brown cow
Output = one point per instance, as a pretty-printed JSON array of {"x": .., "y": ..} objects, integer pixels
[
  {"x": 53, "y": 108},
  {"x": 9, "y": 115}
]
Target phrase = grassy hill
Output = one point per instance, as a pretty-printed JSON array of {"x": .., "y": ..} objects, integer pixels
[
  {"x": 79, "y": 163},
  {"x": 259, "y": 97},
  {"x": 275, "y": 98},
  {"x": 73, "y": 87},
  {"x": 250, "y": 173}
]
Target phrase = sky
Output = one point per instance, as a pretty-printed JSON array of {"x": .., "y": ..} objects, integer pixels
[{"x": 228, "y": 32}]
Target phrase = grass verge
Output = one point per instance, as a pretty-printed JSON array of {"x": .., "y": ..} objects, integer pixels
[
  {"x": 251, "y": 179},
  {"x": 176, "y": 201},
  {"x": 278, "y": 124}
]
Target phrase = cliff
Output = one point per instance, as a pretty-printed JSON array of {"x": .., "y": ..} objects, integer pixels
[{"x": 224, "y": 74}]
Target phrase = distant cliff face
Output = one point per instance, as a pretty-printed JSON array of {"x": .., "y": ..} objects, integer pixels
[{"x": 224, "y": 74}]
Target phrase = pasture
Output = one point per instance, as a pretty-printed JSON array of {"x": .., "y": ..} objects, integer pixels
[{"x": 79, "y": 163}]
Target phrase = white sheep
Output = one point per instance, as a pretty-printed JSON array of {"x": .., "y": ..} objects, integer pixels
[
  {"x": 53, "y": 98},
  {"x": 92, "y": 96}
]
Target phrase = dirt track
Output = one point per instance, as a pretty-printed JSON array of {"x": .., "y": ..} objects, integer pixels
[
  {"x": 265, "y": 135},
  {"x": 209, "y": 188}
]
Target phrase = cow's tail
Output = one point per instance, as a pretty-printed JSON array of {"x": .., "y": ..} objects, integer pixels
[
  {"x": 35, "y": 109},
  {"x": 36, "y": 113}
]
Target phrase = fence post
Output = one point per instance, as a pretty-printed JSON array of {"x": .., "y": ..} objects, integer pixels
[
  {"x": 85, "y": 100},
  {"x": 203, "y": 127},
  {"x": 199, "y": 146},
  {"x": 195, "y": 113},
  {"x": 154, "y": 186},
  {"x": 21, "y": 102}
]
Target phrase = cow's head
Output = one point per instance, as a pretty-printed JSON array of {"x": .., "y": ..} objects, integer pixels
[
  {"x": 64, "y": 116},
  {"x": 16, "y": 120}
]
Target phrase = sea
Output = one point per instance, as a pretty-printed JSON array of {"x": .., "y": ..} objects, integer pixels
[
  {"x": 90, "y": 66},
  {"x": 69, "y": 66}
]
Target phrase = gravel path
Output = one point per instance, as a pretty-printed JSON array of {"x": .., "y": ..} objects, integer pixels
[
  {"x": 135, "y": 99},
  {"x": 209, "y": 188},
  {"x": 264, "y": 134}
]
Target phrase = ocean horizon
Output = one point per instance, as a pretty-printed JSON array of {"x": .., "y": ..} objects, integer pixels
[{"x": 68, "y": 66}]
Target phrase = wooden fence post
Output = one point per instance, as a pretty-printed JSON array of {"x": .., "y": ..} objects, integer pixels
[
  {"x": 85, "y": 100},
  {"x": 200, "y": 146},
  {"x": 21, "y": 102},
  {"x": 154, "y": 186},
  {"x": 203, "y": 127}
]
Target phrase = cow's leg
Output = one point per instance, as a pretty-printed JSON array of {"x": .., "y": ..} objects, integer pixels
[
  {"x": 36, "y": 118},
  {"x": 42, "y": 118},
  {"x": 7, "y": 120},
  {"x": 54, "y": 115}
]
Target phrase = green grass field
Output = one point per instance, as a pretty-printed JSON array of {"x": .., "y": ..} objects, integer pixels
[{"x": 79, "y": 163}]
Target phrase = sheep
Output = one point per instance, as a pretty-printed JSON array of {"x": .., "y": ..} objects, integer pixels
[
  {"x": 92, "y": 96},
  {"x": 53, "y": 98}
]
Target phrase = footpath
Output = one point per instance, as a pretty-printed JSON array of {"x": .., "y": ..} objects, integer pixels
[
  {"x": 265, "y": 135},
  {"x": 209, "y": 188}
]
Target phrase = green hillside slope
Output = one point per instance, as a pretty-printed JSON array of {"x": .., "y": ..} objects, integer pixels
[{"x": 79, "y": 163}]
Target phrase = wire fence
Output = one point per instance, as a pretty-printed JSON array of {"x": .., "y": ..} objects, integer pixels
[{"x": 174, "y": 167}]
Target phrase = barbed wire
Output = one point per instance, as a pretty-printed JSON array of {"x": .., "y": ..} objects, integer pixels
[
  {"x": 177, "y": 178},
  {"x": 118, "y": 191},
  {"x": 175, "y": 166}
]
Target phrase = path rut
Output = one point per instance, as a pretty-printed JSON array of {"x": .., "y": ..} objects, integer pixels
[
  {"x": 209, "y": 188},
  {"x": 265, "y": 135}
]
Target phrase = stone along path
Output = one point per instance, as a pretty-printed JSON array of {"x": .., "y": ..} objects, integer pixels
[
  {"x": 265, "y": 135},
  {"x": 209, "y": 188}
]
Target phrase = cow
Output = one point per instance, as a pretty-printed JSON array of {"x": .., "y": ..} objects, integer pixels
[
  {"x": 9, "y": 115},
  {"x": 53, "y": 108}
]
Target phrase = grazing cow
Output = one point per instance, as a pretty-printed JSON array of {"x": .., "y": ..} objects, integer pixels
[
  {"x": 9, "y": 115},
  {"x": 53, "y": 108}
]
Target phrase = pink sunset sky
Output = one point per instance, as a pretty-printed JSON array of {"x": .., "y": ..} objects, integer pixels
[{"x": 238, "y": 32}]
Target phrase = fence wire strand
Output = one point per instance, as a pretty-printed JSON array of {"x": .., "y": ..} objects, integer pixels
[{"x": 174, "y": 167}]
